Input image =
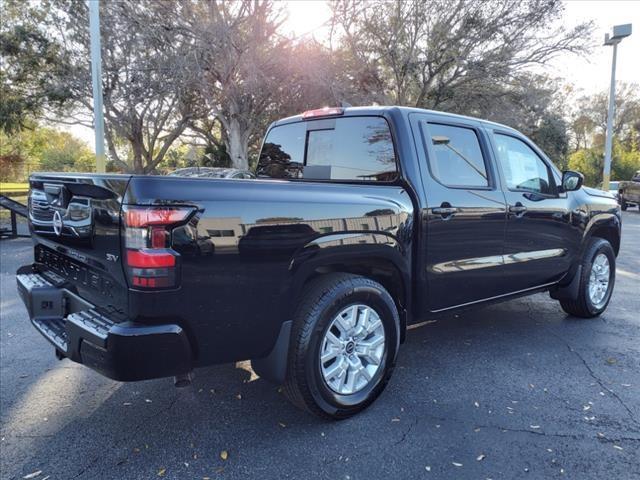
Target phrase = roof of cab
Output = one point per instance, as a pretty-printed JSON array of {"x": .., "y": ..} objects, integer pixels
[{"x": 380, "y": 110}]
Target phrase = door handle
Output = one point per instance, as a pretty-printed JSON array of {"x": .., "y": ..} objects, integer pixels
[
  {"x": 445, "y": 210},
  {"x": 518, "y": 209}
]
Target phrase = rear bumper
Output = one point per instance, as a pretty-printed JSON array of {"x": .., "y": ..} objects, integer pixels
[{"x": 124, "y": 351}]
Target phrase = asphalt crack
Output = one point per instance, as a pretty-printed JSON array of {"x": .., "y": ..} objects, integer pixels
[
  {"x": 573, "y": 436},
  {"x": 598, "y": 380},
  {"x": 406, "y": 432}
]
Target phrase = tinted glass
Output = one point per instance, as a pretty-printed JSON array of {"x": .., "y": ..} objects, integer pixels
[
  {"x": 458, "y": 158},
  {"x": 357, "y": 148},
  {"x": 523, "y": 169},
  {"x": 282, "y": 154}
]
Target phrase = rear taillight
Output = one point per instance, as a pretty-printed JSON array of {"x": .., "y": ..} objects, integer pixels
[{"x": 150, "y": 261}]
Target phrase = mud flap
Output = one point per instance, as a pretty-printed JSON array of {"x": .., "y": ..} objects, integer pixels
[
  {"x": 568, "y": 291},
  {"x": 273, "y": 367}
]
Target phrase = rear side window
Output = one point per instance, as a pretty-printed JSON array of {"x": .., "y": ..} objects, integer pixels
[
  {"x": 351, "y": 149},
  {"x": 458, "y": 159}
]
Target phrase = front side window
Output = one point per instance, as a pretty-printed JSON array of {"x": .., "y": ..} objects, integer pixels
[
  {"x": 523, "y": 169},
  {"x": 352, "y": 148},
  {"x": 458, "y": 159}
]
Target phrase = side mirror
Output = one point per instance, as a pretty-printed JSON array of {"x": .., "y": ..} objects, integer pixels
[{"x": 571, "y": 181}]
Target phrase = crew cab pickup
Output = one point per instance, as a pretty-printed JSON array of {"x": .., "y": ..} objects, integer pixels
[
  {"x": 629, "y": 192},
  {"x": 361, "y": 221}
]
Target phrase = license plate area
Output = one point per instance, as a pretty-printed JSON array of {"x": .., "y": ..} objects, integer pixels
[{"x": 48, "y": 302}]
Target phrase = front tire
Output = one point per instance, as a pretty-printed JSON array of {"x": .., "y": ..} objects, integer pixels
[
  {"x": 597, "y": 280},
  {"x": 343, "y": 348}
]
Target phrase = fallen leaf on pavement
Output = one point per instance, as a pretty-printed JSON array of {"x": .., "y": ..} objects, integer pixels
[
  {"x": 224, "y": 454},
  {"x": 161, "y": 472},
  {"x": 32, "y": 475},
  {"x": 427, "y": 468},
  {"x": 481, "y": 457}
]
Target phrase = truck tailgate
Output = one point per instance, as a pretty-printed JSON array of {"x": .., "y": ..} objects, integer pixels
[{"x": 75, "y": 224}]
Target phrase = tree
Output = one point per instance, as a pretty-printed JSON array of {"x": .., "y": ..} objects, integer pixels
[
  {"x": 30, "y": 63},
  {"x": 241, "y": 64},
  {"x": 588, "y": 126},
  {"x": 148, "y": 97},
  {"x": 64, "y": 153},
  {"x": 589, "y": 119},
  {"x": 441, "y": 53},
  {"x": 42, "y": 148},
  {"x": 590, "y": 161}
]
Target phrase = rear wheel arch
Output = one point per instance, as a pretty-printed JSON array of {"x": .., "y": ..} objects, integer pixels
[
  {"x": 308, "y": 385},
  {"x": 382, "y": 264},
  {"x": 382, "y": 269}
]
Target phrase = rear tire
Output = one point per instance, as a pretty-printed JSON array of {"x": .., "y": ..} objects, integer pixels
[
  {"x": 623, "y": 203},
  {"x": 594, "y": 296},
  {"x": 322, "y": 344}
]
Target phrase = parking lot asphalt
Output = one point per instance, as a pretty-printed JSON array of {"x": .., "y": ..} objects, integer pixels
[{"x": 516, "y": 390}]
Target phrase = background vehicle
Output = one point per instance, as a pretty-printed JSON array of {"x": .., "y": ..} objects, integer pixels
[
  {"x": 371, "y": 219},
  {"x": 629, "y": 192},
  {"x": 211, "y": 172}
]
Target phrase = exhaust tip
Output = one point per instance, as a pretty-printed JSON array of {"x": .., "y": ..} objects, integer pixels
[{"x": 183, "y": 380}]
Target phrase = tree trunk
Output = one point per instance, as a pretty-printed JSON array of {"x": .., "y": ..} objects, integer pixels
[
  {"x": 136, "y": 146},
  {"x": 237, "y": 143}
]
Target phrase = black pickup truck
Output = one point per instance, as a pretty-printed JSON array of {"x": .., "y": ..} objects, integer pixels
[{"x": 362, "y": 221}]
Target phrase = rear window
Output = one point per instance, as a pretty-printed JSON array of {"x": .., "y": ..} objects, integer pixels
[
  {"x": 348, "y": 149},
  {"x": 458, "y": 158}
]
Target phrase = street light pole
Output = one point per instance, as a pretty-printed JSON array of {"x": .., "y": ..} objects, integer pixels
[
  {"x": 606, "y": 174},
  {"x": 96, "y": 77},
  {"x": 619, "y": 32}
]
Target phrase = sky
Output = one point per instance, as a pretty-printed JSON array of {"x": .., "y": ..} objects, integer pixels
[
  {"x": 588, "y": 74},
  {"x": 592, "y": 74}
]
